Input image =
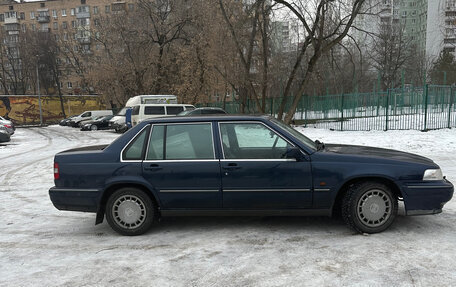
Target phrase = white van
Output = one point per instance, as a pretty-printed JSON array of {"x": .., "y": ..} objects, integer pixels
[
  {"x": 118, "y": 122},
  {"x": 146, "y": 111},
  {"x": 87, "y": 115}
]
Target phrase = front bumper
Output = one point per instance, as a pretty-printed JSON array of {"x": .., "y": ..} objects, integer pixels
[
  {"x": 427, "y": 197},
  {"x": 85, "y": 200}
]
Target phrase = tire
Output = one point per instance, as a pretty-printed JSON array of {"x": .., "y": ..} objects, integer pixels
[
  {"x": 369, "y": 207},
  {"x": 130, "y": 211},
  {"x": 93, "y": 128}
]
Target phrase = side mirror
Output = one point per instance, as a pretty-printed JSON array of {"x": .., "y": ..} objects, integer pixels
[{"x": 294, "y": 152}]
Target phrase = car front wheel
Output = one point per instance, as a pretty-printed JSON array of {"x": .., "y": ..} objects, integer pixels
[
  {"x": 130, "y": 211},
  {"x": 369, "y": 207},
  {"x": 93, "y": 127}
]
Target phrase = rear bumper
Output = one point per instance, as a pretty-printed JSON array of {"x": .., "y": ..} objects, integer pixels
[
  {"x": 428, "y": 197},
  {"x": 85, "y": 200}
]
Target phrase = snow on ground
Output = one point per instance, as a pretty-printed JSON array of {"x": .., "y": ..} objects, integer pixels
[{"x": 41, "y": 246}]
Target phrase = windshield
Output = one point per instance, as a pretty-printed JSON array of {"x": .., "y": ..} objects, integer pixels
[
  {"x": 302, "y": 138},
  {"x": 122, "y": 112}
]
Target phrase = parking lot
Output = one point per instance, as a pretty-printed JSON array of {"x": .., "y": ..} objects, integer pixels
[{"x": 41, "y": 246}]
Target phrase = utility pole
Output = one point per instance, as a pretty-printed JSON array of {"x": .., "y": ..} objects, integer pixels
[{"x": 39, "y": 93}]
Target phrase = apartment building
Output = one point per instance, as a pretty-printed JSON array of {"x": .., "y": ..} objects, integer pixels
[
  {"x": 429, "y": 24},
  {"x": 70, "y": 19}
]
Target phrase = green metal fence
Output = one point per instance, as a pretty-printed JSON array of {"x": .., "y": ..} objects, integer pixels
[{"x": 411, "y": 108}]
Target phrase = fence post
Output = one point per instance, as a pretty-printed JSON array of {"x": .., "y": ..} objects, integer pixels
[
  {"x": 387, "y": 109},
  {"x": 449, "y": 106},
  {"x": 426, "y": 95},
  {"x": 342, "y": 113}
]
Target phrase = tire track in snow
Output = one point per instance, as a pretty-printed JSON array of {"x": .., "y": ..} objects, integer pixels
[{"x": 48, "y": 143}]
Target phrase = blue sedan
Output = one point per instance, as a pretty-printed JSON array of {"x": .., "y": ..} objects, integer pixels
[{"x": 243, "y": 166}]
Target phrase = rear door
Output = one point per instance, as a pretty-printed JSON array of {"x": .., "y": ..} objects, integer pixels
[
  {"x": 255, "y": 172},
  {"x": 180, "y": 163}
]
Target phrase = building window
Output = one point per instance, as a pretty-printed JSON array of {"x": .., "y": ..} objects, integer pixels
[
  {"x": 73, "y": 24},
  {"x": 75, "y": 48},
  {"x": 95, "y": 10},
  {"x": 33, "y": 27},
  {"x": 2, "y": 17},
  {"x": 64, "y": 12},
  {"x": 24, "y": 27},
  {"x": 42, "y": 5},
  {"x": 22, "y": 16},
  {"x": 131, "y": 7},
  {"x": 69, "y": 85},
  {"x": 54, "y": 13},
  {"x": 11, "y": 7},
  {"x": 65, "y": 36},
  {"x": 64, "y": 25},
  {"x": 56, "y": 25},
  {"x": 56, "y": 37},
  {"x": 32, "y": 15},
  {"x": 72, "y": 11},
  {"x": 83, "y": 2},
  {"x": 107, "y": 8}
]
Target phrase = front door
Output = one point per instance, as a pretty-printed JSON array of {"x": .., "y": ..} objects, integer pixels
[
  {"x": 180, "y": 163},
  {"x": 256, "y": 173}
]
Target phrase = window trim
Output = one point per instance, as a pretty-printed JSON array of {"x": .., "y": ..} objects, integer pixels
[
  {"x": 252, "y": 159},
  {"x": 181, "y": 160},
  {"x": 130, "y": 141}
]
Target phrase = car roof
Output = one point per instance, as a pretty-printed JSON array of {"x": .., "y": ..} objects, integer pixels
[
  {"x": 206, "y": 118},
  {"x": 208, "y": 108}
]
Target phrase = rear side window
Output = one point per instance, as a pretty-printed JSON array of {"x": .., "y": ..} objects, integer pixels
[
  {"x": 136, "y": 148},
  {"x": 189, "y": 108},
  {"x": 135, "y": 111},
  {"x": 174, "y": 110},
  {"x": 181, "y": 142},
  {"x": 86, "y": 114},
  {"x": 154, "y": 110}
]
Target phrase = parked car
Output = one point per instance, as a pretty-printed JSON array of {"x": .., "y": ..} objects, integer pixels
[
  {"x": 202, "y": 111},
  {"x": 8, "y": 125},
  {"x": 241, "y": 165},
  {"x": 98, "y": 124},
  {"x": 89, "y": 121},
  {"x": 64, "y": 122},
  {"x": 88, "y": 115},
  {"x": 4, "y": 135}
]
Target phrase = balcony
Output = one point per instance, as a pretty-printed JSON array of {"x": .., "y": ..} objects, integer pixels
[
  {"x": 43, "y": 19},
  {"x": 11, "y": 20},
  {"x": 82, "y": 15},
  {"x": 84, "y": 40}
]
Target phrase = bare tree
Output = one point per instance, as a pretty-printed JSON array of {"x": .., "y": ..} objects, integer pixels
[{"x": 326, "y": 23}]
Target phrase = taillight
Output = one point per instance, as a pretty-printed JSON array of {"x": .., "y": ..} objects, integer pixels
[
  {"x": 56, "y": 171},
  {"x": 8, "y": 126}
]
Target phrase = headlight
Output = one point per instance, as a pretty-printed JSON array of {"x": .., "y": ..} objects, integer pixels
[{"x": 433, "y": 174}]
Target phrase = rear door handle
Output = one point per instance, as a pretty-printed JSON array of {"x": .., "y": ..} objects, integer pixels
[{"x": 153, "y": 167}]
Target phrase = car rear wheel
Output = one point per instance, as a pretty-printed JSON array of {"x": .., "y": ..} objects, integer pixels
[
  {"x": 369, "y": 207},
  {"x": 130, "y": 211},
  {"x": 93, "y": 127}
]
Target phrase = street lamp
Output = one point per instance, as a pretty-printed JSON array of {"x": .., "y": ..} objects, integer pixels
[{"x": 39, "y": 94}]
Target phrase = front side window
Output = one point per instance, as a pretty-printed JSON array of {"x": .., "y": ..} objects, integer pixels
[
  {"x": 251, "y": 141},
  {"x": 181, "y": 142},
  {"x": 154, "y": 110},
  {"x": 86, "y": 114},
  {"x": 135, "y": 149}
]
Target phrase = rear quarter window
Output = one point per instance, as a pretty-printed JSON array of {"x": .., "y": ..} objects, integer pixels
[{"x": 136, "y": 148}]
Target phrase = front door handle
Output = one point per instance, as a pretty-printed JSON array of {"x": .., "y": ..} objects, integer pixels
[
  {"x": 153, "y": 167},
  {"x": 231, "y": 166}
]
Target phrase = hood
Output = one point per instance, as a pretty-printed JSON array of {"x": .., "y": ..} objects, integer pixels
[{"x": 387, "y": 154}]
